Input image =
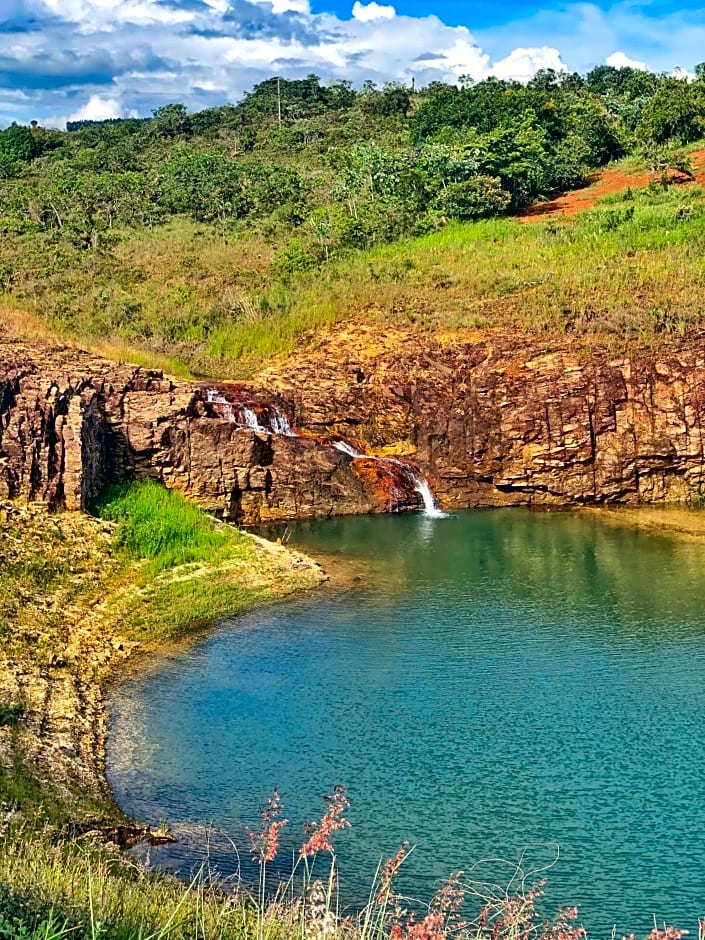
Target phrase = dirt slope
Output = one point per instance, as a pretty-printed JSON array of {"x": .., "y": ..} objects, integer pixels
[{"x": 604, "y": 184}]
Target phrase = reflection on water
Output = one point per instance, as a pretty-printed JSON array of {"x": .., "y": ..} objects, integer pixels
[{"x": 505, "y": 678}]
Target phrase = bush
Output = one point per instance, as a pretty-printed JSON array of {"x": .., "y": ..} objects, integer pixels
[
  {"x": 478, "y": 197},
  {"x": 293, "y": 259}
]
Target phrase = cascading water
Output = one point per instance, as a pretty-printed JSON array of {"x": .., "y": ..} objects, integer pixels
[
  {"x": 399, "y": 468},
  {"x": 263, "y": 418},
  {"x": 224, "y": 406},
  {"x": 423, "y": 487},
  {"x": 346, "y": 448},
  {"x": 401, "y": 479}
]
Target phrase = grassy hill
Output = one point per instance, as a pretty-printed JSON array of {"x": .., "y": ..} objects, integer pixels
[{"x": 211, "y": 242}]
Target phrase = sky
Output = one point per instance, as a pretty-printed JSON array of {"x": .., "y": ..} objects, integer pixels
[{"x": 93, "y": 59}]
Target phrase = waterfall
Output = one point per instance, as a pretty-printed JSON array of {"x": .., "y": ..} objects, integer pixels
[
  {"x": 423, "y": 487},
  {"x": 347, "y": 449},
  {"x": 263, "y": 418},
  {"x": 402, "y": 478},
  {"x": 278, "y": 422},
  {"x": 226, "y": 409},
  {"x": 405, "y": 470}
]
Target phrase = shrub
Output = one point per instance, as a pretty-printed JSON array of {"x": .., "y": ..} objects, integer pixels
[{"x": 478, "y": 197}]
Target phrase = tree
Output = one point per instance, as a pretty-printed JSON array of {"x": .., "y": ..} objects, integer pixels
[
  {"x": 17, "y": 143},
  {"x": 172, "y": 120},
  {"x": 677, "y": 111},
  {"x": 393, "y": 100},
  {"x": 205, "y": 185}
]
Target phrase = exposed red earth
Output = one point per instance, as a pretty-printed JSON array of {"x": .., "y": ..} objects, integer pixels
[{"x": 604, "y": 184}]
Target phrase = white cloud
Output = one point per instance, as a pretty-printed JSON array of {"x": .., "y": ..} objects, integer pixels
[
  {"x": 95, "y": 109},
  {"x": 365, "y": 13},
  {"x": 139, "y": 54},
  {"x": 98, "y": 109},
  {"x": 523, "y": 64},
  {"x": 286, "y": 6},
  {"x": 92, "y": 15},
  {"x": 619, "y": 60}
]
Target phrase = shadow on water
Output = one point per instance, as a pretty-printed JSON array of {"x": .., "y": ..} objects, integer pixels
[{"x": 505, "y": 678}]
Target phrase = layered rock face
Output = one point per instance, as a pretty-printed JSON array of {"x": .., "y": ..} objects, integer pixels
[
  {"x": 498, "y": 420},
  {"x": 491, "y": 420},
  {"x": 70, "y": 423}
]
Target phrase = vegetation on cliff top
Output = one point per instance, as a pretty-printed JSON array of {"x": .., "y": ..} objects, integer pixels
[{"x": 218, "y": 239}]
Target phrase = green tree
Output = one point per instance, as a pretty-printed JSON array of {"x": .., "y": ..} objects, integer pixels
[
  {"x": 677, "y": 111},
  {"x": 17, "y": 143}
]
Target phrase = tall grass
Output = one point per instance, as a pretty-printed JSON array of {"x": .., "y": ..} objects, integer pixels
[
  {"x": 51, "y": 887},
  {"x": 629, "y": 271},
  {"x": 160, "y": 526}
]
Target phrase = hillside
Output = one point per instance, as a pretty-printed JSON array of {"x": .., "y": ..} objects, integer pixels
[{"x": 210, "y": 242}]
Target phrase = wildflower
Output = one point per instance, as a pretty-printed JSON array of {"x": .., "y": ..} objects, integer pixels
[
  {"x": 668, "y": 933},
  {"x": 563, "y": 927},
  {"x": 442, "y": 916},
  {"x": 331, "y": 821},
  {"x": 320, "y": 920},
  {"x": 264, "y": 843},
  {"x": 389, "y": 871}
]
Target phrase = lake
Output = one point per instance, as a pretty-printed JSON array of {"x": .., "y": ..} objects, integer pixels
[{"x": 497, "y": 684}]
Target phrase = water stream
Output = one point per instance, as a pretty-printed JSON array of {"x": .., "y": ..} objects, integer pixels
[
  {"x": 496, "y": 680},
  {"x": 266, "y": 418},
  {"x": 409, "y": 474}
]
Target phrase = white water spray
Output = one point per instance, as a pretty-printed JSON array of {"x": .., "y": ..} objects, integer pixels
[
  {"x": 423, "y": 487},
  {"x": 215, "y": 398},
  {"x": 245, "y": 416},
  {"x": 347, "y": 449},
  {"x": 419, "y": 481},
  {"x": 279, "y": 422}
]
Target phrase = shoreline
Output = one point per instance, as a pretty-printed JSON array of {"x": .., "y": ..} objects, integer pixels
[
  {"x": 674, "y": 520},
  {"x": 79, "y": 634}
]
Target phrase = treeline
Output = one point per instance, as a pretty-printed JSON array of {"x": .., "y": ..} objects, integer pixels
[{"x": 319, "y": 169}]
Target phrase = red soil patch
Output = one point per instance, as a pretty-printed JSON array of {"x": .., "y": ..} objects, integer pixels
[{"x": 603, "y": 184}]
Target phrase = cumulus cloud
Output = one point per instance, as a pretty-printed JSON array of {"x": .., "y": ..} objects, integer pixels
[
  {"x": 522, "y": 64},
  {"x": 366, "y": 12},
  {"x": 98, "y": 109},
  {"x": 619, "y": 60},
  {"x": 64, "y": 57}
]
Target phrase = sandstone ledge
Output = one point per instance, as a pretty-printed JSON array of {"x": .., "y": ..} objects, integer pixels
[{"x": 73, "y": 615}]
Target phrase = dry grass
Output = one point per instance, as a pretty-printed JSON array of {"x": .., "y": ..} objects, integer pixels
[{"x": 629, "y": 272}]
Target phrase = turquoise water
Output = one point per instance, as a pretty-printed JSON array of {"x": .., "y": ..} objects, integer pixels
[{"x": 498, "y": 681}]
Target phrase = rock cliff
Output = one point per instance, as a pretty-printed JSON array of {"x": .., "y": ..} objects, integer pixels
[
  {"x": 491, "y": 419},
  {"x": 494, "y": 419},
  {"x": 71, "y": 422}
]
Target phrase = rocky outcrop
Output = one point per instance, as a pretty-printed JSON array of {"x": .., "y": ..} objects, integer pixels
[
  {"x": 70, "y": 423},
  {"x": 491, "y": 419},
  {"x": 500, "y": 420}
]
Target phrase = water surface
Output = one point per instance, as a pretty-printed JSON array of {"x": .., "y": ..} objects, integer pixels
[{"x": 497, "y": 680}]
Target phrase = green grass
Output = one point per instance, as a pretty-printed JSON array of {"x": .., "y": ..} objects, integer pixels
[
  {"x": 163, "y": 528},
  {"x": 49, "y": 885},
  {"x": 629, "y": 272}
]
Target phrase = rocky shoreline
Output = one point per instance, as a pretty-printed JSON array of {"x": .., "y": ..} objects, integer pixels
[{"x": 67, "y": 634}]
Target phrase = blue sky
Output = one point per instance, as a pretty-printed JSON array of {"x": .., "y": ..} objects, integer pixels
[{"x": 72, "y": 59}]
